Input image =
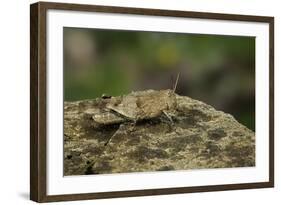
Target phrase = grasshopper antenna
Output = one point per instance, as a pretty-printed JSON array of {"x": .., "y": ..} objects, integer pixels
[{"x": 176, "y": 83}]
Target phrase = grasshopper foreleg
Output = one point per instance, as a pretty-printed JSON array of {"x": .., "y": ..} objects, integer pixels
[
  {"x": 168, "y": 116},
  {"x": 172, "y": 123}
]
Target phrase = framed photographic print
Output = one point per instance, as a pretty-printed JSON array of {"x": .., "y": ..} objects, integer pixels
[{"x": 134, "y": 102}]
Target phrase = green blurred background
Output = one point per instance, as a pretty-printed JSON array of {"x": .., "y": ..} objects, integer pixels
[{"x": 218, "y": 70}]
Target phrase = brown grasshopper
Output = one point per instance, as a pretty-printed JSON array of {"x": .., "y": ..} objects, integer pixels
[{"x": 138, "y": 106}]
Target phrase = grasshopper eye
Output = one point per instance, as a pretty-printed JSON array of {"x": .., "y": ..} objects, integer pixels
[{"x": 105, "y": 96}]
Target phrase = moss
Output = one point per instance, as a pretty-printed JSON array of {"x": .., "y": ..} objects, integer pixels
[
  {"x": 237, "y": 134},
  {"x": 195, "y": 115},
  {"x": 93, "y": 150},
  {"x": 216, "y": 134},
  {"x": 142, "y": 153},
  {"x": 211, "y": 150},
  {"x": 134, "y": 140},
  {"x": 166, "y": 168},
  {"x": 101, "y": 167},
  {"x": 89, "y": 170},
  {"x": 194, "y": 140},
  {"x": 179, "y": 143},
  {"x": 240, "y": 154}
]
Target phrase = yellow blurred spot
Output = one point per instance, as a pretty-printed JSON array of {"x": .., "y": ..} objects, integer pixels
[{"x": 168, "y": 55}]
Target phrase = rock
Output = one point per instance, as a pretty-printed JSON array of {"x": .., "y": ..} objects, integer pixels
[{"x": 201, "y": 137}]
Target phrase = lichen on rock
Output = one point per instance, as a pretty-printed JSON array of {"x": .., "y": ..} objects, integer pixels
[{"x": 200, "y": 137}]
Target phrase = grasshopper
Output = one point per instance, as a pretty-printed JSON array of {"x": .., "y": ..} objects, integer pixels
[{"x": 138, "y": 106}]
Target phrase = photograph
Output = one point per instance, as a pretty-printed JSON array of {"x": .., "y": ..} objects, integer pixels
[
  {"x": 146, "y": 101},
  {"x": 129, "y": 101}
]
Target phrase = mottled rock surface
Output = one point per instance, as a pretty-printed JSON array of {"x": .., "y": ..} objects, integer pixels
[{"x": 201, "y": 137}]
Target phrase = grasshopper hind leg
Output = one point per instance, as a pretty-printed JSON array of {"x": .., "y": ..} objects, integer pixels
[
  {"x": 115, "y": 133},
  {"x": 123, "y": 128}
]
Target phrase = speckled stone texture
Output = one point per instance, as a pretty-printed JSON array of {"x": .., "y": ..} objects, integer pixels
[{"x": 200, "y": 137}]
